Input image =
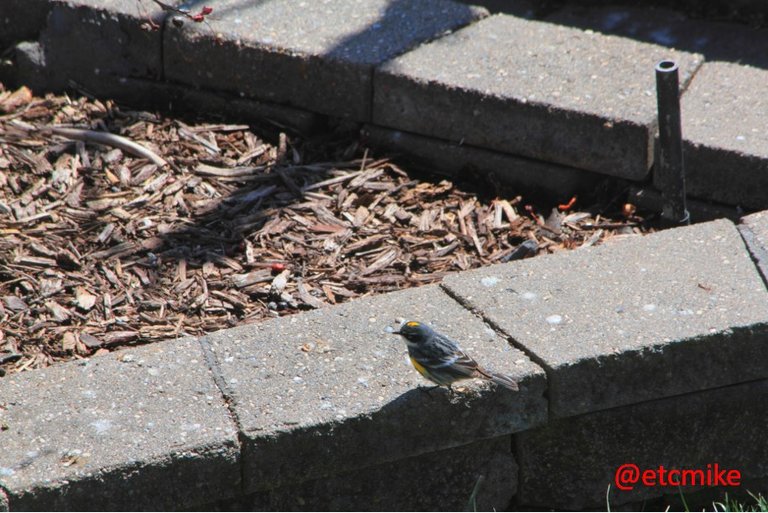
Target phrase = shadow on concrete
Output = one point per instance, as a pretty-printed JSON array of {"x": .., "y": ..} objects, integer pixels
[{"x": 718, "y": 30}]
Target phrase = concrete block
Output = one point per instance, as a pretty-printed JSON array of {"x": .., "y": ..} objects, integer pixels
[
  {"x": 317, "y": 56},
  {"x": 88, "y": 41},
  {"x": 21, "y": 20},
  {"x": 548, "y": 92},
  {"x": 29, "y": 66},
  {"x": 143, "y": 428},
  {"x": 754, "y": 230},
  {"x": 437, "y": 481},
  {"x": 570, "y": 463},
  {"x": 716, "y": 41},
  {"x": 642, "y": 318},
  {"x": 331, "y": 391},
  {"x": 458, "y": 160},
  {"x": 726, "y": 141}
]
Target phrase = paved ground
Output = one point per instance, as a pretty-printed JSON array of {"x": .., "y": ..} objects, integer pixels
[{"x": 598, "y": 338}]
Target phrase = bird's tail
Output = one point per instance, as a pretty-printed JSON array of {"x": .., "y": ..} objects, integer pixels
[
  {"x": 500, "y": 379},
  {"x": 505, "y": 381}
]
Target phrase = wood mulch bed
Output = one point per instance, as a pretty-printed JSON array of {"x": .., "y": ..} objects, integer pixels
[{"x": 182, "y": 228}]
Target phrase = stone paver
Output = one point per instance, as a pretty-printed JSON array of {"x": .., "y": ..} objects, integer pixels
[
  {"x": 717, "y": 41},
  {"x": 754, "y": 229},
  {"x": 438, "y": 481},
  {"x": 316, "y": 55},
  {"x": 458, "y": 161},
  {"x": 143, "y": 428},
  {"x": 544, "y": 91},
  {"x": 724, "y": 426},
  {"x": 331, "y": 390},
  {"x": 87, "y": 41},
  {"x": 669, "y": 313},
  {"x": 726, "y": 135}
]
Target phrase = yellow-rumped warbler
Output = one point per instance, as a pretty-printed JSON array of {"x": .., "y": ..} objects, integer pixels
[{"x": 441, "y": 360}]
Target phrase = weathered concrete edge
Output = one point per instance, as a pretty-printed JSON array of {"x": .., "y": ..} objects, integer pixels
[
  {"x": 134, "y": 481},
  {"x": 454, "y": 159},
  {"x": 90, "y": 491},
  {"x": 757, "y": 252}
]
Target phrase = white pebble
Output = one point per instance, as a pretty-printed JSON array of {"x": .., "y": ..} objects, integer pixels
[{"x": 555, "y": 319}]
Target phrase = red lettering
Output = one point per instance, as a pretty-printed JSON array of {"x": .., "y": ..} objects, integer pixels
[
  {"x": 693, "y": 477},
  {"x": 661, "y": 476},
  {"x": 629, "y": 474},
  {"x": 648, "y": 477},
  {"x": 716, "y": 476}
]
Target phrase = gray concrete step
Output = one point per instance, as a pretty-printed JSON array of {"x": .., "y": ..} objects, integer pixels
[
  {"x": 143, "y": 428},
  {"x": 649, "y": 317},
  {"x": 314, "y": 55},
  {"x": 535, "y": 89},
  {"x": 726, "y": 135},
  {"x": 331, "y": 391}
]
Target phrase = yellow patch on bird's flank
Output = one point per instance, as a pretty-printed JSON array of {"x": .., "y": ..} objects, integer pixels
[
  {"x": 419, "y": 367},
  {"x": 412, "y": 324}
]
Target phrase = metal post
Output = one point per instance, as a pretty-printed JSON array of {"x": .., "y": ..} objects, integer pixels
[{"x": 669, "y": 167}]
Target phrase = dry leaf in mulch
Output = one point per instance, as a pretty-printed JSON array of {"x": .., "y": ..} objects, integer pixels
[{"x": 103, "y": 247}]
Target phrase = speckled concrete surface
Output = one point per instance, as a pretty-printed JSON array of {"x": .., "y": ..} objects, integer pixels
[
  {"x": 535, "y": 89},
  {"x": 715, "y": 40},
  {"x": 726, "y": 135},
  {"x": 316, "y": 55},
  {"x": 331, "y": 390},
  {"x": 142, "y": 428},
  {"x": 669, "y": 313},
  {"x": 85, "y": 41}
]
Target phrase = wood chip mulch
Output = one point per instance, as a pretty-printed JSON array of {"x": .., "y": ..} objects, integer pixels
[{"x": 175, "y": 228}]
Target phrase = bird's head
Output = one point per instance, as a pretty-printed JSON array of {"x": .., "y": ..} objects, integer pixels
[{"x": 414, "y": 332}]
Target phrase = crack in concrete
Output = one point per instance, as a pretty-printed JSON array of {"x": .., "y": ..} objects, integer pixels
[
  {"x": 226, "y": 393},
  {"x": 756, "y": 251},
  {"x": 510, "y": 340}
]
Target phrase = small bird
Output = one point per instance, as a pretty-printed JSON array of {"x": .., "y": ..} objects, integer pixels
[{"x": 441, "y": 360}]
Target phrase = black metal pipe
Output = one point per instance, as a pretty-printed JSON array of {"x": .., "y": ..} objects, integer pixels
[{"x": 670, "y": 169}]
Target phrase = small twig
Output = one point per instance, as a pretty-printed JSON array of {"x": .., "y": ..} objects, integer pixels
[{"x": 81, "y": 134}]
